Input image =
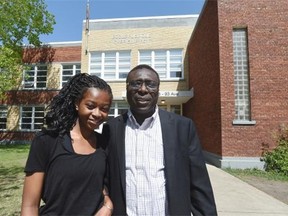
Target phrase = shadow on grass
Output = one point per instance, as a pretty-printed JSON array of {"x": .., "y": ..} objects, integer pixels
[
  {"x": 11, "y": 178},
  {"x": 15, "y": 147},
  {"x": 10, "y": 171}
]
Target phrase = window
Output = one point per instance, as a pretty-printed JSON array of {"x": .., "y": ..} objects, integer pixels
[
  {"x": 168, "y": 63},
  {"x": 241, "y": 75},
  {"x": 35, "y": 77},
  {"x": 3, "y": 117},
  {"x": 31, "y": 117},
  {"x": 68, "y": 71},
  {"x": 117, "y": 108},
  {"x": 175, "y": 109},
  {"x": 171, "y": 108},
  {"x": 110, "y": 65}
]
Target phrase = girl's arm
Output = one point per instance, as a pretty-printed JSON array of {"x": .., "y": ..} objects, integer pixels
[{"x": 31, "y": 196}]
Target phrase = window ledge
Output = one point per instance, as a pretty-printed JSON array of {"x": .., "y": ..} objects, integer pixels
[{"x": 243, "y": 122}]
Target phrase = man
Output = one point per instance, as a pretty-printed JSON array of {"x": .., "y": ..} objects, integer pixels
[{"x": 156, "y": 166}]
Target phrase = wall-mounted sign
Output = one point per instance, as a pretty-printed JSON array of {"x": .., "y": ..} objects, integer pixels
[
  {"x": 175, "y": 94},
  {"x": 131, "y": 38}
]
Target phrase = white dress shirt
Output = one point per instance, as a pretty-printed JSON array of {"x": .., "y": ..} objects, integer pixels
[{"x": 145, "y": 180}]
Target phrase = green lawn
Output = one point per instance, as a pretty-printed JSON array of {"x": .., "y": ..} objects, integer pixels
[
  {"x": 241, "y": 173},
  {"x": 12, "y": 162}
]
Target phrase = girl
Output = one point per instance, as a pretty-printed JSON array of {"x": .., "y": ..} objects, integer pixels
[{"x": 67, "y": 160}]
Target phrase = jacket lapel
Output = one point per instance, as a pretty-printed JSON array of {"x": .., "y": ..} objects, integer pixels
[
  {"x": 120, "y": 136},
  {"x": 168, "y": 136},
  {"x": 167, "y": 126}
]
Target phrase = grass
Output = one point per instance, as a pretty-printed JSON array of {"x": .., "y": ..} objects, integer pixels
[
  {"x": 13, "y": 159},
  {"x": 241, "y": 173}
]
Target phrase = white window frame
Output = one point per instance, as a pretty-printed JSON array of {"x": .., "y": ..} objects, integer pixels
[
  {"x": 3, "y": 117},
  {"x": 33, "y": 82},
  {"x": 34, "y": 123},
  {"x": 241, "y": 77},
  {"x": 167, "y": 62},
  {"x": 76, "y": 69},
  {"x": 115, "y": 63},
  {"x": 116, "y": 106}
]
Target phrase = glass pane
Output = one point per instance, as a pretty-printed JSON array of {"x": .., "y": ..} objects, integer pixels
[
  {"x": 176, "y": 109},
  {"x": 241, "y": 78}
]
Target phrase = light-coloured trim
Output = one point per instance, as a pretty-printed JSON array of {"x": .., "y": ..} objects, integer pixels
[
  {"x": 142, "y": 18},
  {"x": 244, "y": 122},
  {"x": 234, "y": 162}
]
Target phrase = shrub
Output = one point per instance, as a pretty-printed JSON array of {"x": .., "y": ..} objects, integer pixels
[{"x": 276, "y": 160}]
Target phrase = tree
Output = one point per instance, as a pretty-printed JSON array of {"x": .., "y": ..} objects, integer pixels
[{"x": 20, "y": 20}]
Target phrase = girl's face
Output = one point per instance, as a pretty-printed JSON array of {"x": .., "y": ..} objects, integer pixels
[{"x": 93, "y": 108}]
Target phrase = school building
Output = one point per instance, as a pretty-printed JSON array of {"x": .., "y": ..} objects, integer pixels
[{"x": 226, "y": 68}]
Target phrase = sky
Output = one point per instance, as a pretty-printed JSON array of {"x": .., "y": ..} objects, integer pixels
[{"x": 70, "y": 14}]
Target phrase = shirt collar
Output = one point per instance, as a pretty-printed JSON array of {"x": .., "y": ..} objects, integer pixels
[{"x": 148, "y": 122}]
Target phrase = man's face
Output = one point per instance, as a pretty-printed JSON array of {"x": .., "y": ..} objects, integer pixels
[{"x": 142, "y": 92}]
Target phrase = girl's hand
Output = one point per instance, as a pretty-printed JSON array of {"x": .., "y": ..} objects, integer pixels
[
  {"x": 104, "y": 211},
  {"x": 107, "y": 208}
]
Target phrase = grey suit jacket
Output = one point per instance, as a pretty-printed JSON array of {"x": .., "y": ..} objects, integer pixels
[{"x": 188, "y": 186}]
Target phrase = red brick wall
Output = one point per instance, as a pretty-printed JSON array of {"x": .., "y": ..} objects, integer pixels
[
  {"x": 68, "y": 54},
  {"x": 204, "y": 107},
  {"x": 17, "y": 136},
  {"x": 266, "y": 22},
  {"x": 52, "y": 54},
  {"x": 25, "y": 97}
]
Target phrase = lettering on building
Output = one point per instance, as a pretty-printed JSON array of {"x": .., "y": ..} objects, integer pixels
[{"x": 131, "y": 38}]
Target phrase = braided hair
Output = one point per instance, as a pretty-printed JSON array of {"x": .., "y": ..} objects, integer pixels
[{"x": 62, "y": 114}]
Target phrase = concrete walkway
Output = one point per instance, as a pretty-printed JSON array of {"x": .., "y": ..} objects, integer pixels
[{"x": 234, "y": 197}]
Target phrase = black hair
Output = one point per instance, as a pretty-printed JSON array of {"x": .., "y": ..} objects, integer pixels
[
  {"x": 141, "y": 66},
  {"x": 62, "y": 114}
]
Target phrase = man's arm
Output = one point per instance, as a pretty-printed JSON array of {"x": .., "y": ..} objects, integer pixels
[{"x": 202, "y": 198}]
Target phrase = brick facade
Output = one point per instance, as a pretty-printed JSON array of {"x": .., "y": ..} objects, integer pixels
[
  {"x": 212, "y": 76},
  {"x": 111, "y": 35},
  {"x": 53, "y": 55}
]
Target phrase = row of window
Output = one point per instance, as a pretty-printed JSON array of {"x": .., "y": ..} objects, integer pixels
[
  {"x": 36, "y": 76},
  {"x": 112, "y": 65},
  {"x": 116, "y": 65},
  {"x": 31, "y": 117}
]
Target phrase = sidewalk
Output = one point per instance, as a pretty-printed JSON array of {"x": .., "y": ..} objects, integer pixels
[{"x": 236, "y": 198}]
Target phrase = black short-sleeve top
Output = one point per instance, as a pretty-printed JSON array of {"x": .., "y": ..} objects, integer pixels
[{"x": 73, "y": 183}]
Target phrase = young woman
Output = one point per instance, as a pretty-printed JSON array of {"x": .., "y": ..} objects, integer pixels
[{"x": 67, "y": 160}]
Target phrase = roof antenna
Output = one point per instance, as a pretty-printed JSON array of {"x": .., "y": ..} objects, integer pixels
[{"x": 87, "y": 25}]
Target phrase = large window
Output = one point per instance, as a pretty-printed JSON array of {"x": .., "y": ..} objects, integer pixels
[
  {"x": 31, "y": 117},
  {"x": 68, "y": 71},
  {"x": 241, "y": 76},
  {"x": 168, "y": 63},
  {"x": 3, "y": 117},
  {"x": 35, "y": 77},
  {"x": 110, "y": 65}
]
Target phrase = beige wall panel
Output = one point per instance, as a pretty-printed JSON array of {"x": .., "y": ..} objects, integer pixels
[
  {"x": 53, "y": 77},
  {"x": 13, "y": 117}
]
